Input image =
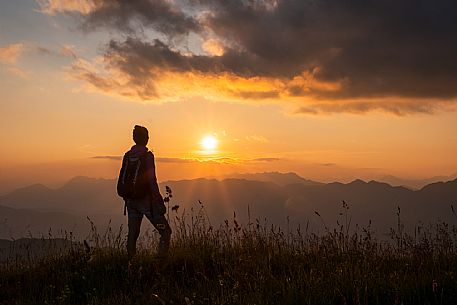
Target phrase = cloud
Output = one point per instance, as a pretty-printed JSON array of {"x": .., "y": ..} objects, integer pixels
[
  {"x": 69, "y": 51},
  {"x": 53, "y": 7},
  {"x": 397, "y": 106},
  {"x": 213, "y": 47},
  {"x": 176, "y": 160},
  {"x": 257, "y": 138},
  {"x": 150, "y": 71},
  {"x": 171, "y": 160},
  {"x": 160, "y": 159},
  {"x": 328, "y": 164},
  {"x": 115, "y": 158},
  {"x": 62, "y": 51},
  {"x": 325, "y": 56},
  {"x": 126, "y": 15},
  {"x": 266, "y": 159},
  {"x": 217, "y": 160},
  {"x": 9, "y": 54},
  {"x": 16, "y": 71}
]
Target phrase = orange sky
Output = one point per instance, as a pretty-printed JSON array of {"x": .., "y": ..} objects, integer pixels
[{"x": 64, "y": 102}]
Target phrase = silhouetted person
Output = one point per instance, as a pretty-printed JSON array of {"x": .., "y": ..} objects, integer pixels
[{"x": 137, "y": 185}]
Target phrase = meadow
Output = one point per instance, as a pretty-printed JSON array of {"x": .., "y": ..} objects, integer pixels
[{"x": 257, "y": 263}]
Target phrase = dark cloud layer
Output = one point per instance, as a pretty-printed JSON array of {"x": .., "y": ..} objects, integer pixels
[
  {"x": 374, "y": 49},
  {"x": 132, "y": 15},
  {"x": 379, "y": 47}
]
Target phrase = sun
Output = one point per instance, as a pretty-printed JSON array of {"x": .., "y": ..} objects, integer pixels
[{"x": 209, "y": 143}]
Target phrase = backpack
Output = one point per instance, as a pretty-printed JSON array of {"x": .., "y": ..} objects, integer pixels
[{"x": 133, "y": 177}]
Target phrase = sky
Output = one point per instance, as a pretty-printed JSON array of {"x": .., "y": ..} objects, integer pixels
[{"x": 329, "y": 89}]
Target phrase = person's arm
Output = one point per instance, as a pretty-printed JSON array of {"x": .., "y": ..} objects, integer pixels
[{"x": 151, "y": 174}]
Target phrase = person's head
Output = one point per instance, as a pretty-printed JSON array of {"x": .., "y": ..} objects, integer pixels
[{"x": 140, "y": 135}]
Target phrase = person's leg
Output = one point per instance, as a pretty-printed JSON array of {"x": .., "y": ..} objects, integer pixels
[
  {"x": 134, "y": 224},
  {"x": 161, "y": 224}
]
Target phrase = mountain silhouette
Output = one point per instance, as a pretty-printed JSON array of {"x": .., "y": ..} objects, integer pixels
[
  {"x": 80, "y": 195},
  {"x": 281, "y": 179},
  {"x": 415, "y": 183},
  {"x": 368, "y": 201}
]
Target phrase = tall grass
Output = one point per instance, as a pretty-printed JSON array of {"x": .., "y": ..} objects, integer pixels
[{"x": 258, "y": 263}]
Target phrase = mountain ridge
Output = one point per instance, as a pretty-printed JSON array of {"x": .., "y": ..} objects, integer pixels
[{"x": 373, "y": 200}]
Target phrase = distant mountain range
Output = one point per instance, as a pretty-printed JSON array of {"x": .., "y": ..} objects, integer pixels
[
  {"x": 289, "y": 178},
  {"x": 414, "y": 183},
  {"x": 281, "y": 179},
  {"x": 273, "y": 196}
]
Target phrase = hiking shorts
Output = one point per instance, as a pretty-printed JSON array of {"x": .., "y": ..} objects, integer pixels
[{"x": 136, "y": 208}]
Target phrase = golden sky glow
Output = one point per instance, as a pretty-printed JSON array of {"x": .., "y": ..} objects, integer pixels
[{"x": 217, "y": 98}]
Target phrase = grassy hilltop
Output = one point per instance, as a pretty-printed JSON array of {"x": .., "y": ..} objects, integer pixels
[{"x": 256, "y": 264}]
